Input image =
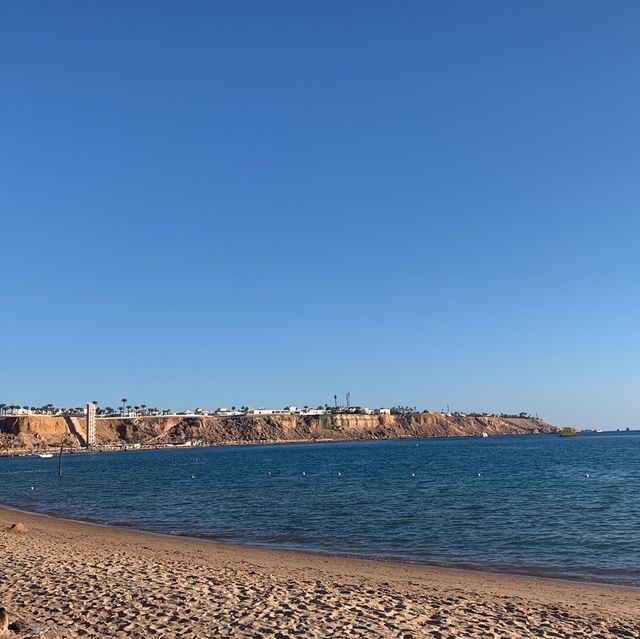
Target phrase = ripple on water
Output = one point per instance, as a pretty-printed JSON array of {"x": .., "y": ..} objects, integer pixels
[{"x": 531, "y": 509}]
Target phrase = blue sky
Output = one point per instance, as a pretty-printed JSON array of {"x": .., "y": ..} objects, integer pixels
[{"x": 265, "y": 203}]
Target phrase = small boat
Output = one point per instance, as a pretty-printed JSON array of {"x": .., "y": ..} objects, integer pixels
[
  {"x": 568, "y": 432},
  {"x": 484, "y": 435},
  {"x": 45, "y": 455}
]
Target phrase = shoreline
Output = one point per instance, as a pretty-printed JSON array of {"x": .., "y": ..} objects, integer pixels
[
  {"x": 131, "y": 448},
  {"x": 477, "y": 571},
  {"x": 84, "y": 579}
]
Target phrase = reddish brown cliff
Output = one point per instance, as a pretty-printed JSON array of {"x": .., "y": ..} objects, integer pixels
[{"x": 33, "y": 432}]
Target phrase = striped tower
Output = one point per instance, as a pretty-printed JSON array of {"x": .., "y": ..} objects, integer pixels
[{"x": 91, "y": 424}]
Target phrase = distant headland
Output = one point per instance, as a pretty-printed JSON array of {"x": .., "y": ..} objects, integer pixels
[{"x": 140, "y": 427}]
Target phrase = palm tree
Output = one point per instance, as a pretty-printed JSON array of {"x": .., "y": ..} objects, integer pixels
[{"x": 124, "y": 401}]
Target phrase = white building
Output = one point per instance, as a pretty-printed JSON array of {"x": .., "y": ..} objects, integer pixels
[
  {"x": 91, "y": 424},
  {"x": 226, "y": 412}
]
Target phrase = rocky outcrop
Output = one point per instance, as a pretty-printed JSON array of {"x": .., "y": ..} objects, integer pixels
[
  {"x": 41, "y": 431},
  {"x": 34, "y": 432}
]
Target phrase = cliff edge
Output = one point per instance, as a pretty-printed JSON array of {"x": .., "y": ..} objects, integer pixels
[{"x": 35, "y": 432}]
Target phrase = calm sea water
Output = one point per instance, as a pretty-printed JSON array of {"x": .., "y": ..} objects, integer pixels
[{"x": 515, "y": 504}]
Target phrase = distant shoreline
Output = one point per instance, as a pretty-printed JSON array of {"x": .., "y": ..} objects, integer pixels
[
  {"x": 39, "y": 433},
  {"x": 28, "y": 452},
  {"x": 284, "y": 442}
]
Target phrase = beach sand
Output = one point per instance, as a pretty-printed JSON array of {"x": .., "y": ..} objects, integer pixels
[{"x": 68, "y": 579}]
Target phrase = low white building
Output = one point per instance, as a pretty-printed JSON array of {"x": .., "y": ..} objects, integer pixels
[
  {"x": 18, "y": 411},
  {"x": 226, "y": 412}
]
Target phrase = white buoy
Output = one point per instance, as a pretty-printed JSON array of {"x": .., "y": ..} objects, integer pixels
[
  {"x": 587, "y": 475},
  {"x": 193, "y": 476},
  {"x": 33, "y": 487},
  {"x": 268, "y": 473},
  {"x": 413, "y": 474},
  {"x": 339, "y": 474},
  {"x": 478, "y": 475},
  {"x": 303, "y": 472}
]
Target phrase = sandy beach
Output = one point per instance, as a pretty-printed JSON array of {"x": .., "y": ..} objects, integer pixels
[{"x": 67, "y": 579}]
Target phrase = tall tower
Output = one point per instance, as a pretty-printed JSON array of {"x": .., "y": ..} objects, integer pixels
[{"x": 91, "y": 424}]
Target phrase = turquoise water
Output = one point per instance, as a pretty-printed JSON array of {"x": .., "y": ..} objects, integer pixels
[{"x": 514, "y": 504}]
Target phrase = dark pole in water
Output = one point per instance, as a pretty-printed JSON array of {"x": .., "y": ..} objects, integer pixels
[{"x": 60, "y": 465}]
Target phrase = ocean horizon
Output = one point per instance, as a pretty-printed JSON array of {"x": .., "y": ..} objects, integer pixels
[{"x": 538, "y": 505}]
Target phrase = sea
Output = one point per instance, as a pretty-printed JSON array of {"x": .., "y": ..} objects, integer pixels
[{"x": 538, "y": 505}]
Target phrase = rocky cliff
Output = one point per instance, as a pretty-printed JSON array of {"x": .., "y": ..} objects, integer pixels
[{"x": 37, "y": 431}]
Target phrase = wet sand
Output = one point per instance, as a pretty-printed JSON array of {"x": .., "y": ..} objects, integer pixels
[{"x": 63, "y": 579}]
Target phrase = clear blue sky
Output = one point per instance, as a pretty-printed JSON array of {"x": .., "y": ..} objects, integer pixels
[{"x": 264, "y": 203}]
